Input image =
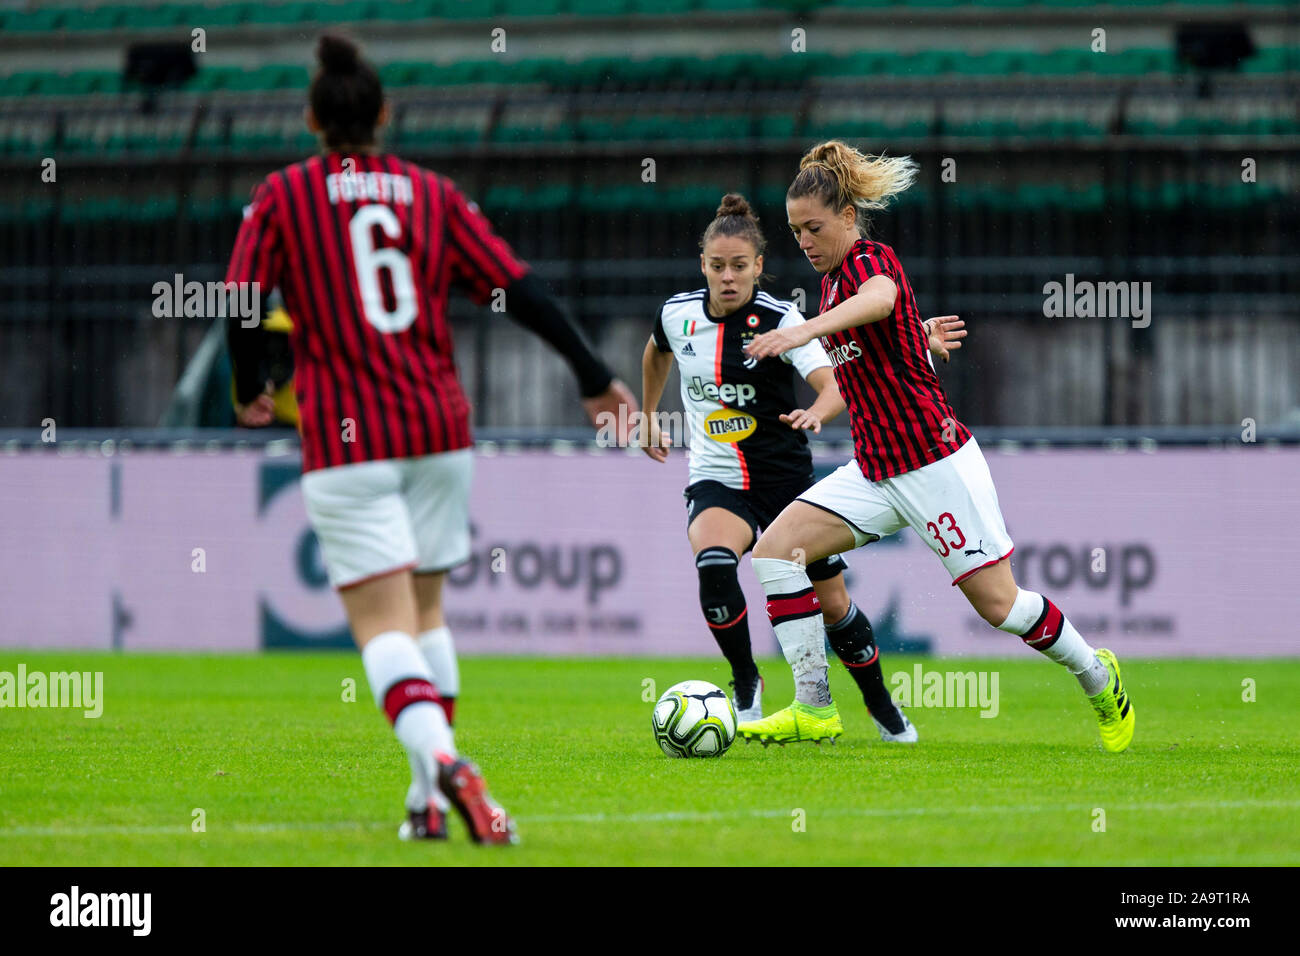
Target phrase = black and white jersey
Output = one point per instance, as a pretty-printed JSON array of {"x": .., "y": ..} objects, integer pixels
[{"x": 733, "y": 402}]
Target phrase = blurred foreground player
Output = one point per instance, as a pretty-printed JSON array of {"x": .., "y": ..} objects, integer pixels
[{"x": 365, "y": 248}]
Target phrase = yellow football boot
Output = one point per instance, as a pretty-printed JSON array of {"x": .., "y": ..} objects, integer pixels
[
  {"x": 795, "y": 723},
  {"x": 1114, "y": 709}
]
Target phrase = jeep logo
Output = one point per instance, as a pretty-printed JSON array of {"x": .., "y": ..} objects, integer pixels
[{"x": 729, "y": 394}]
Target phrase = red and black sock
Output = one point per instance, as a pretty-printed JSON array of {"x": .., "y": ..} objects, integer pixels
[{"x": 1045, "y": 631}]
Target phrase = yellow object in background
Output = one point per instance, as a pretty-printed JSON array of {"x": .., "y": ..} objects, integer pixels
[
  {"x": 277, "y": 321},
  {"x": 286, "y": 405}
]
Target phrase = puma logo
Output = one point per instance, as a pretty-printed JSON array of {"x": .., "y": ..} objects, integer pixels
[
  {"x": 979, "y": 550},
  {"x": 709, "y": 696}
]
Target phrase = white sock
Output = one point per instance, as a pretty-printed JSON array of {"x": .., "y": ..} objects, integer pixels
[
  {"x": 422, "y": 789},
  {"x": 796, "y": 617},
  {"x": 390, "y": 659},
  {"x": 1038, "y": 621},
  {"x": 422, "y": 729},
  {"x": 439, "y": 650}
]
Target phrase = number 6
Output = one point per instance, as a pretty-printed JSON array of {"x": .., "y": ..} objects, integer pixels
[{"x": 369, "y": 260}]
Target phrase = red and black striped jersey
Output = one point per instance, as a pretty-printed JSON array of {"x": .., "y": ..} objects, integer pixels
[
  {"x": 899, "y": 417},
  {"x": 365, "y": 249}
]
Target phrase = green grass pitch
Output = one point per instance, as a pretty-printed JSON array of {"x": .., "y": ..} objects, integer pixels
[{"x": 286, "y": 772}]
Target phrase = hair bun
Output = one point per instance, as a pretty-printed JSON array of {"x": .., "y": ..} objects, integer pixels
[
  {"x": 832, "y": 154},
  {"x": 337, "y": 54},
  {"x": 734, "y": 204}
]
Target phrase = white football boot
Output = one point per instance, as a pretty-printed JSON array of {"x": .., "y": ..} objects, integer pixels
[
  {"x": 907, "y": 736},
  {"x": 755, "y": 710}
]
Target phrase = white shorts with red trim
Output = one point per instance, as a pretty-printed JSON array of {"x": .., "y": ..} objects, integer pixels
[
  {"x": 950, "y": 503},
  {"x": 376, "y": 517}
]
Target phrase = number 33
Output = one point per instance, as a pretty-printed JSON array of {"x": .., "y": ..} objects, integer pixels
[{"x": 945, "y": 546}]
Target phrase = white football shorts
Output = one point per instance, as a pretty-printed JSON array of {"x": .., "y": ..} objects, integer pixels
[
  {"x": 950, "y": 503},
  {"x": 376, "y": 517}
]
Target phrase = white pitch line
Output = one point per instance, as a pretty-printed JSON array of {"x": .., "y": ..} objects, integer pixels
[
  {"x": 721, "y": 816},
  {"x": 124, "y": 830},
  {"x": 676, "y": 816}
]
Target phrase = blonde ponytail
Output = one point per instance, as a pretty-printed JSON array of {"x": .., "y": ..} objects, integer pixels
[{"x": 839, "y": 176}]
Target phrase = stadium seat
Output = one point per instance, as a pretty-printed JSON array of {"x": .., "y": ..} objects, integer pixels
[
  {"x": 403, "y": 10},
  {"x": 729, "y": 6},
  {"x": 281, "y": 13},
  {"x": 349, "y": 11},
  {"x": 536, "y": 8},
  {"x": 41, "y": 20},
  {"x": 470, "y": 9},
  {"x": 603, "y": 8},
  {"x": 156, "y": 18},
  {"x": 1272, "y": 60},
  {"x": 220, "y": 14},
  {"x": 23, "y": 83},
  {"x": 96, "y": 18},
  {"x": 777, "y": 126},
  {"x": 659, "y": 8}
]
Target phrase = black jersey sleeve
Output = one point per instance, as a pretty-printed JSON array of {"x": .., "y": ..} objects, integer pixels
[
  {"x": 247, "y": 346},
  {"x": 530, "y": 304},
  {"x": 659, "y": 335}
]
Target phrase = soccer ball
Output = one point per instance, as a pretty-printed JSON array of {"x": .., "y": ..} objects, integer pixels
[{"x": 694, "y": 719}]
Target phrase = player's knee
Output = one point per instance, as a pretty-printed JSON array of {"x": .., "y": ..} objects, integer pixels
[
  {"x": 994, "y": 608},
  {"x": 835, "y": 605},
  {"x": 770, "y": 546}
]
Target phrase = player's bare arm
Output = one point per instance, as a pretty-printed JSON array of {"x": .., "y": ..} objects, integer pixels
[
  {"x": 872, "y": 302},
  {"x": 655, "y": 366},
  {"x": 829, "y": 403}
]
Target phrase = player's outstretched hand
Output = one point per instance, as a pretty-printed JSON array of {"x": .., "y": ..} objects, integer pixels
[
  {"x": 603, "y": 410},
  {"x": 258, "y": 413},
  {"x": 653, "y": 440},
  {"x": 802, "y": 418},
  {"x": 946, "y": 333},
  {"x": 776, "y": 342}
]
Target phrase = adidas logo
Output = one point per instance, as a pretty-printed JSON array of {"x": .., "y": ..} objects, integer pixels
[{"x": 688, "y": 350}]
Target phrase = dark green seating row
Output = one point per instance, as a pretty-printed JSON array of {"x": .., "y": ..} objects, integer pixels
[
  {"x": 114, "y": 16},
  {"x": 286, "y": 133},
  {"x": 702, "y": 200},
  {"x": 726, "y": 69},
  {"x": 1048, "y": 198}
]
